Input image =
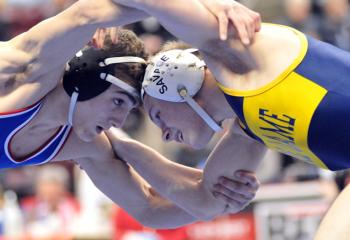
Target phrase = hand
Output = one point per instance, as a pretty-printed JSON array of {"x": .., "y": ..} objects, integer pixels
[
  {"x": 103, "y": 34},
  {"x": 238, "y": 191},
  {"x": 245, "y": 21}
]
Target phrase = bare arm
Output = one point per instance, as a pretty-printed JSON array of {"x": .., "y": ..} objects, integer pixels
[
  {"x": 194, "y": 192},
  {"x": 197, "y": 21},
  {"x": 127, "y": 189},
  {"x": 50, "y": 44},
  {"x": 336, "y": 223}
]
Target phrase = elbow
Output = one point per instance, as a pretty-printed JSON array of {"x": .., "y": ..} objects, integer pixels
[
  {"x": 205, "y": 210},
  {"x": 146, "y": 221},
  {"x": 155, "y": 225},
  {"x": 205, "y": 215},
  {"x": 150, "y": 221},
  {"x": 205, "y": 207}
]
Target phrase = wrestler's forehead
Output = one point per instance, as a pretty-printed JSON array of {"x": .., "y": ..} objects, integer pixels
[{"x": 116, "y": 91}]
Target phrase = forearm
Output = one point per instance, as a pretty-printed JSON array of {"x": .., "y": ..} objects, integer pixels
[
  {"x": 58, "y": 38},
  {"x": 188, "y": 20},
  {"x": 180, "y": 184},
  {"x": 127, "y": 189}
]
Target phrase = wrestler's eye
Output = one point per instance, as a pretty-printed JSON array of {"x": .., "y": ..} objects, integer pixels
[
  {"x": 118, "y": 102},
  {"x": 157, "y": 115}
]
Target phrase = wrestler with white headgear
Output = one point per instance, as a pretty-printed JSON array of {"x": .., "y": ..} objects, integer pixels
[{"x": 52, "y": 113}]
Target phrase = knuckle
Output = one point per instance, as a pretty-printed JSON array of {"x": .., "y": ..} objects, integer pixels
[
  {"x": 232, "y": 194},
  {"x": 258, "y": 183},
  {"x": 256, "y": 186},
  {"x": 250, "y": 196},
  {"x": 257, "y": 17}
]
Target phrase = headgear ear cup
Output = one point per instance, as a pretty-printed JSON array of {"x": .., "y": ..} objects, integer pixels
[{"x": 177, "y": 76}]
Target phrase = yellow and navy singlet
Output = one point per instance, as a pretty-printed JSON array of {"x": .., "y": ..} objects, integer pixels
[
  {"x": 305, "y": 112},
  {"x": 11, "y": 123}
]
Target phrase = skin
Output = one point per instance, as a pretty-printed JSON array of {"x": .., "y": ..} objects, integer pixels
[
  {"x": 232, "y": 64},
  {"x": 261, "y": 66},
  {"x": 336, "y": 222},
  {"x": 29, "y": 73},
  {"x": 188, "y": 127},
  {"x": 180, "y": 123}
]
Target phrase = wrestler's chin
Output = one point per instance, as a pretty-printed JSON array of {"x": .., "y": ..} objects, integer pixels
[
  {"x": 200, "y": 141},
  {"x": 198, "y": 144}
]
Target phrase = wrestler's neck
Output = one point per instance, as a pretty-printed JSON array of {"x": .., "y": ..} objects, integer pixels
[
  {"x": 273, "y": 51},
  {"x": 54, "y": 111},
  {"x": 212, "y": 99}
]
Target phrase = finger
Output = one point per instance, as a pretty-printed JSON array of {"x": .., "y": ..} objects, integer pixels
[
  {"x": 240, "y": 27},
  {"x": 242, "y": 198},
  {"x": 98, "y": 36},
  {"x": 94, "y": 43},
  {"x": 223, "y": 25},
  {"x": 114, "y": 35},
  {"x": 247, "y": 178},
  {"x": 102, "y": 37},
  {"x": 248, "y": 26},
  {"x": 257, "y": 20},
  {"x": 234, "y": 188},
  {"x": 234, "y": 206}
]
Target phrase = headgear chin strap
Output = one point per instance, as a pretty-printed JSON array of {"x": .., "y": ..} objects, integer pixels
[
  {"x": 90, "y": 73},
  {"x": 177, "y": 76}
]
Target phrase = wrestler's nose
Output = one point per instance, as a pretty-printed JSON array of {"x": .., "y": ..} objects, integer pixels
[
  {"x": 168, "y": 135},
  {"x": 119, "y": 119}
]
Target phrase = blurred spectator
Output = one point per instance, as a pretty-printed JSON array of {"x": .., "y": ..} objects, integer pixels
[
  {"x": 298, "y": 15},
  {"x": 51, "y": 211},
  {"x": 11, "y": 221},
  {"x": 94, "y": 221},
  {"x": 4, "y": 23},
  {"x": 299, "y": 171},
  {"x": 335, "y": 25},
  {"x": 19, "y": 180}
]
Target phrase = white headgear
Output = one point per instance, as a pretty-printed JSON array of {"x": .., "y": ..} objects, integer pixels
[{"x": 177, "y": 76}]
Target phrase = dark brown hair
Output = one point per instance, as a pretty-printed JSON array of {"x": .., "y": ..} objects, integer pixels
[{"x": 128, "y": 44}]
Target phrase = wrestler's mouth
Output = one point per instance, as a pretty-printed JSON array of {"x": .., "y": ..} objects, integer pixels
[{"x": 99, "y": 129}]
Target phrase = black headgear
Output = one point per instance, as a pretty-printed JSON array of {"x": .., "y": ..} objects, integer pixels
[{"x": 91, "y": 72}]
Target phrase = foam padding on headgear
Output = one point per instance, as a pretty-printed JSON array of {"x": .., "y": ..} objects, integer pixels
[{"x": 83, "y": 74}]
